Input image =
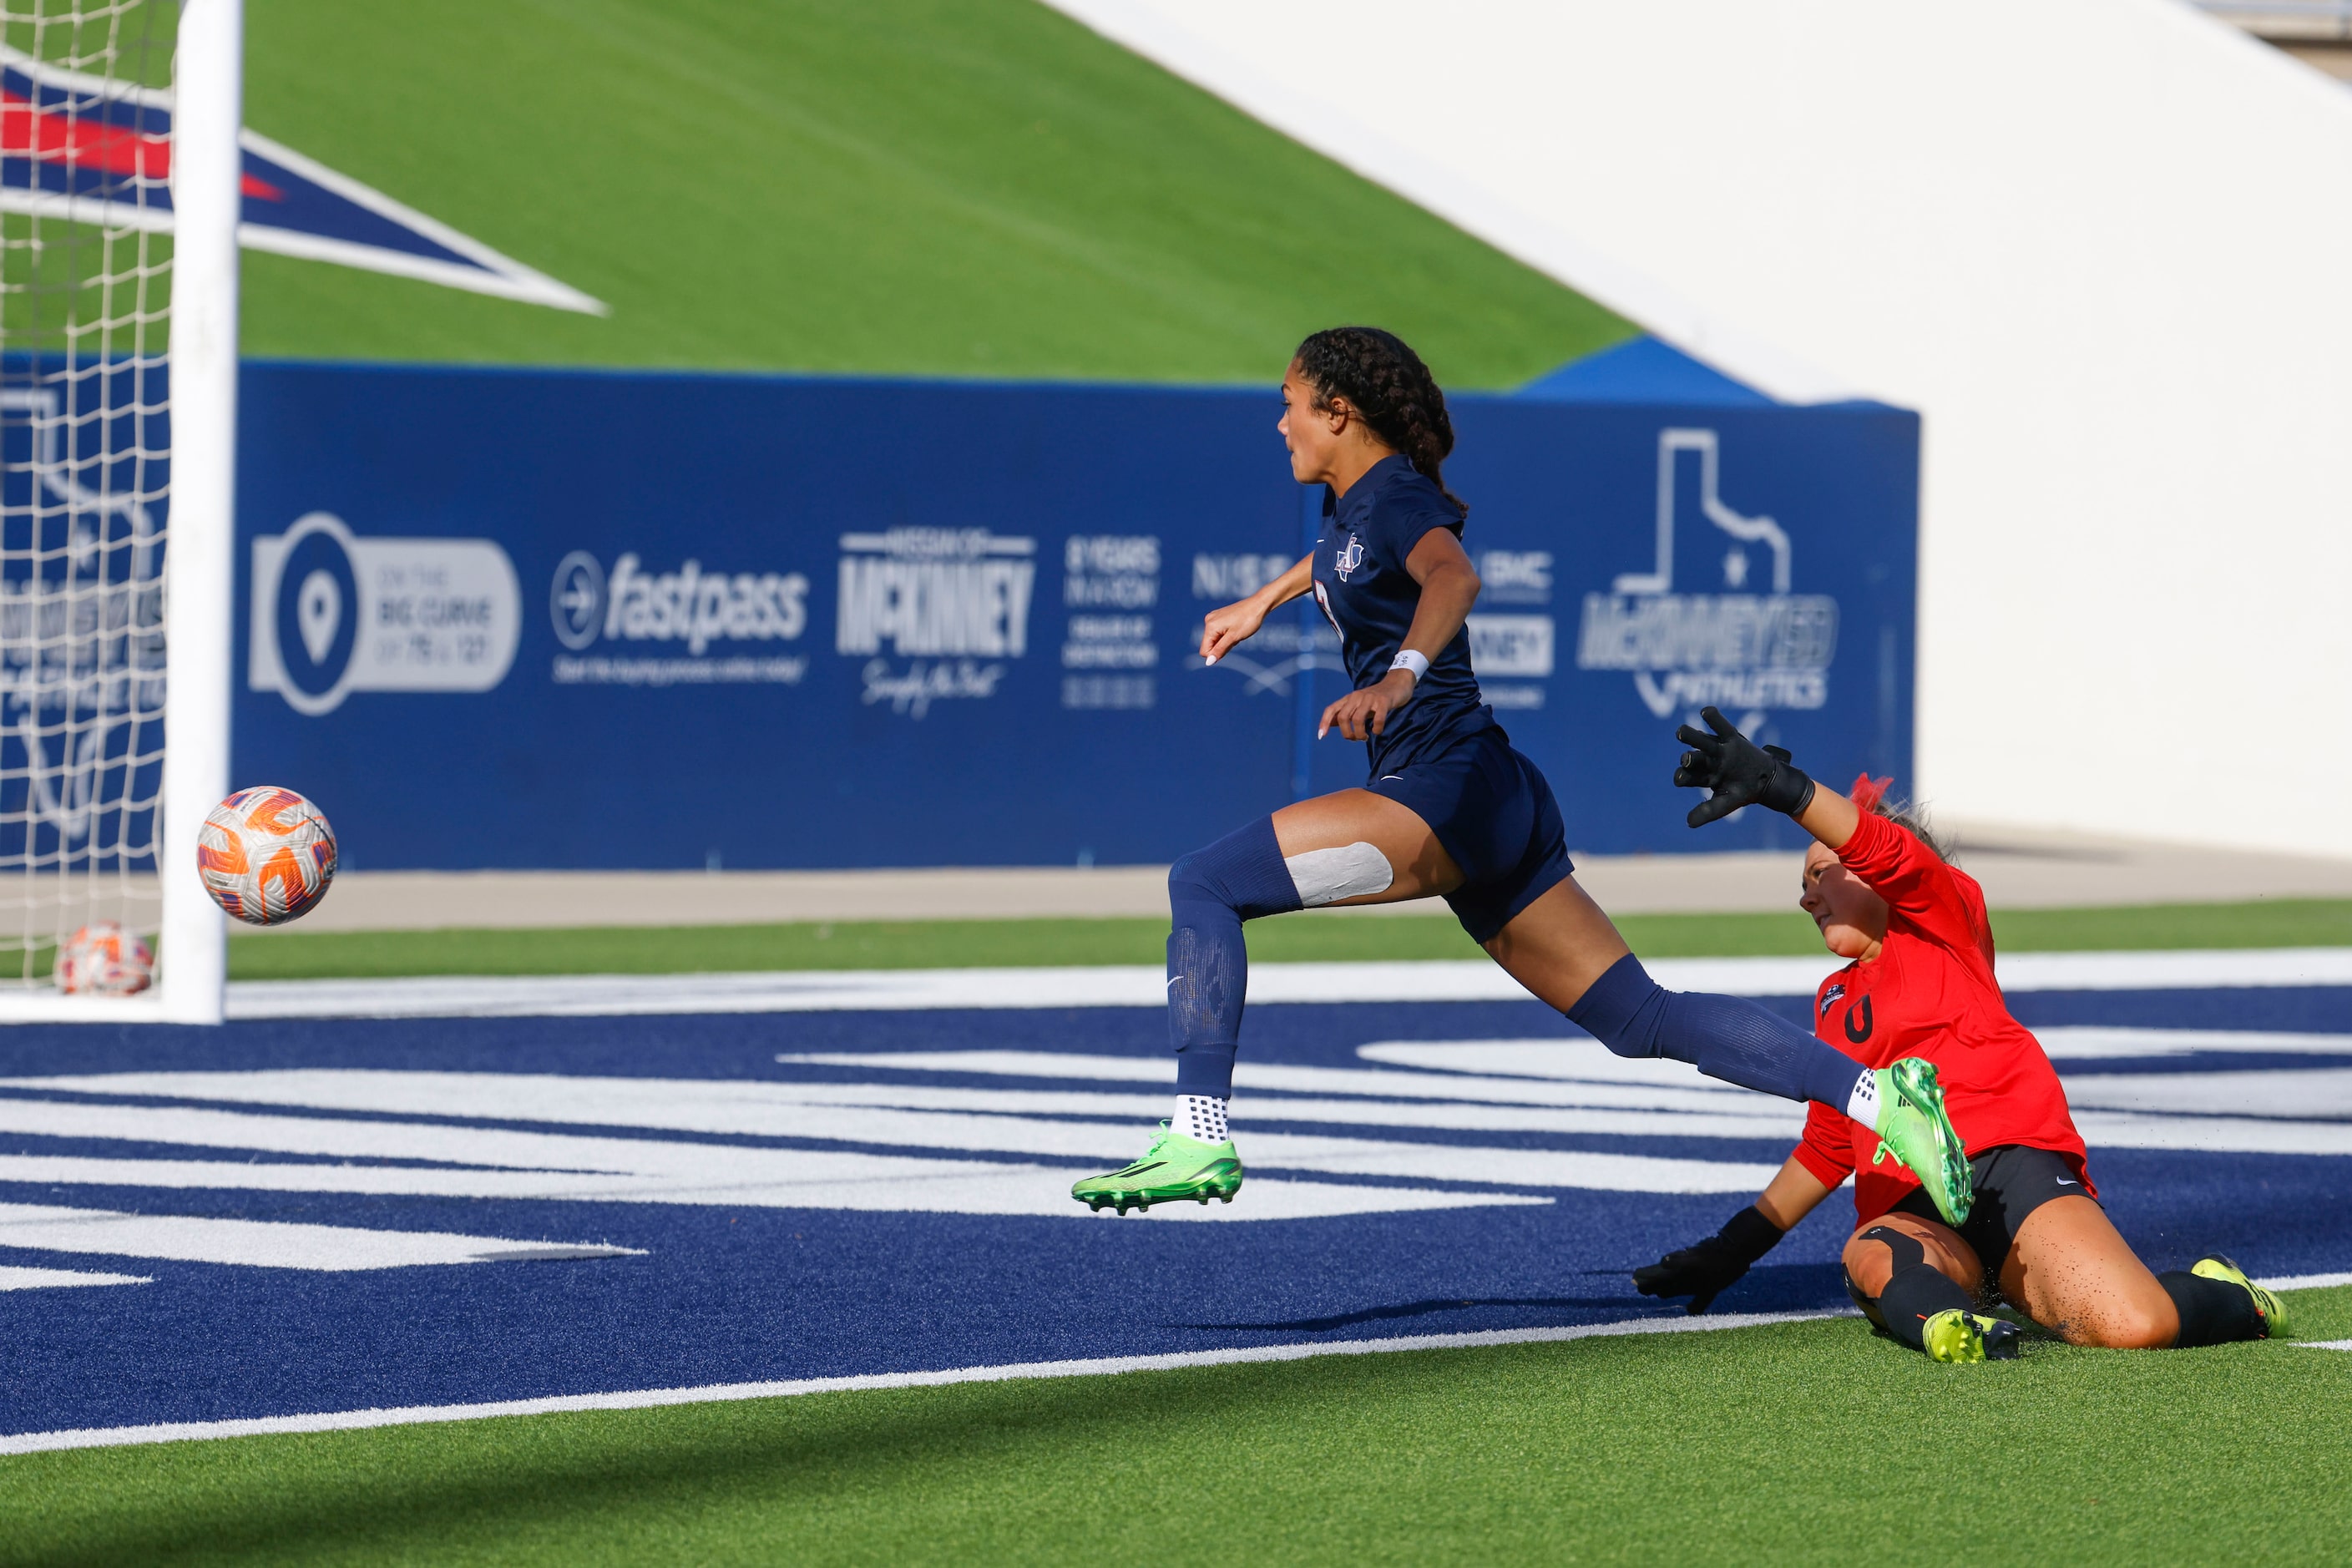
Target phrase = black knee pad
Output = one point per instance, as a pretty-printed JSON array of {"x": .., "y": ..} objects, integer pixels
[{"x": 1908, "y": 1254}]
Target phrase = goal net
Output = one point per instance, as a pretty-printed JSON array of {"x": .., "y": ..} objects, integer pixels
[{"x": 86, "y": 492}]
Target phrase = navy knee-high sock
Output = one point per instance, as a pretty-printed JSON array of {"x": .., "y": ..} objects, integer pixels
[
  {"x": 1723, "y": 1037},
  {"x": 1210, "y": 892}
]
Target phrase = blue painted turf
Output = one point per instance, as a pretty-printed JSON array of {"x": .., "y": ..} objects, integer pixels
[{"x": 727, "y": 1295}]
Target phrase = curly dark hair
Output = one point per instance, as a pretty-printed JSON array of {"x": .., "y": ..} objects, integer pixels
[{"x": 1386, "y": 383}]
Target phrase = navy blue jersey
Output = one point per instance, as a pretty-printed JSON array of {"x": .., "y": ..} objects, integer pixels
[{"x": 1362, "y": 584}]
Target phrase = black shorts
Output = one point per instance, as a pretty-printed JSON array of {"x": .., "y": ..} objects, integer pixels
[
  {"x": 1493, "y": 811},
  {"x": 2010, "y": 1182}
]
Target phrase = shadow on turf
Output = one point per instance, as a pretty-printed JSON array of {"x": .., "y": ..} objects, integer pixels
[
  {"x": 1773, "y": 1288},
  {"x": 1422, "y": 1308}
]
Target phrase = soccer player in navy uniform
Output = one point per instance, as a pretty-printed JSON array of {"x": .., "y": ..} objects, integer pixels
[
  {"x": 1920, "y": 982},
  {"x": 1448, "y": 809}
]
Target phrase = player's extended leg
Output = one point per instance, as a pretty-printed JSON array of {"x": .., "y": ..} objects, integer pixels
[
  {"x": 2071, "y": 1271},
  {"x": 1565, "y": 950},
  {"x": 1916, "y": 1280},
  {"x": 1562, "y": 948},
  {"x": 1348, "y": 847}
]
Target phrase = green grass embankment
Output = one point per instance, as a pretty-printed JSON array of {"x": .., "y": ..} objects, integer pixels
[{"x": 901, "y": 187}]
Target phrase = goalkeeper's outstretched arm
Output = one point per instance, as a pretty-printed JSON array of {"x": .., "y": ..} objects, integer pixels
[
  {"x": 1737, "y": 772},
  {"x": 1714, "y": 1265}
]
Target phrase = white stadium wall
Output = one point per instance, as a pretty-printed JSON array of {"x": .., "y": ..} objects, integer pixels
[{"x": 2104, "y": 245}]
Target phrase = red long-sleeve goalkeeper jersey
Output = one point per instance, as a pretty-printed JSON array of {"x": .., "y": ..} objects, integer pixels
[{"x": 1930, "y": 993}]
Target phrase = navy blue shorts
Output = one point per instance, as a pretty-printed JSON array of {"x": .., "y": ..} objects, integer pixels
[{"x": 1493, "y": 811}]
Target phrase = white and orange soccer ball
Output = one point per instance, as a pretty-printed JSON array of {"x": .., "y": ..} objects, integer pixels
[
  {"x": 101, "y": 959},
  {"x": 266, "y": 855}
]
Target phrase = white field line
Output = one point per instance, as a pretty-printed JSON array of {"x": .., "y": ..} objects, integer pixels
[
  {"x": 2206, "y": 1131},
  {"x": 1140, "y": 986},
  {"x": 2211, "y": 1134},
  {"x": 1573, "y": 1058},
  {"x": 498, "y": 1162},
  {"x": 266, "y": 1244},
  {"x": 740, "y": 1106},
  {"x": 2212, "y": 1112},
  {"x": 996, "y": 1190},
  {"x": 2100, "y": 1042},
  {"x": 783, "y": 1108},
  {"x": 2310, "y": 1093},
  {"x": 1674, "y": 1087},
  {"x": 12, "y": 1279},
  {"x": 726, "y": 1393}
]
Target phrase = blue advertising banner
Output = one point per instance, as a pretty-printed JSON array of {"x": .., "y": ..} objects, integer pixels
[{"x": 500, "y": 618}]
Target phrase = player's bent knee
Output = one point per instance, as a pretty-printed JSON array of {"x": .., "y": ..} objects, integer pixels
[
  {"x": 1624, "y": 1009},
  {"x": 1873, "y": 1254},
  {"x": 2133, "y": 1328},
  {"x": 1189, "y": 880},
  {"x": 1242, "y": 872}
]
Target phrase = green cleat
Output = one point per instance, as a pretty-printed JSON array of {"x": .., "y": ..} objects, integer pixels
[
  {"x": 1175, "y": 1167},
  {"x": 1959, "y": 1337},
  {"x": 2272, "y": 1310},
  {"x": 1913, "y": 1128}
]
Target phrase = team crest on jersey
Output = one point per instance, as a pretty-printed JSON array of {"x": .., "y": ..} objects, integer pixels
[
  {"x": 1829, "y": 999},
  {"x": 1347, "y": 560}
]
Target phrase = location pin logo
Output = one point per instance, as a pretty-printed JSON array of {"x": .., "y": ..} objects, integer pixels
[{"x": 319, "y": 612}]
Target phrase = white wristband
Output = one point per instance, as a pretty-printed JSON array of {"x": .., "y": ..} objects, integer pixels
[{"x": 1413, "y": 664}]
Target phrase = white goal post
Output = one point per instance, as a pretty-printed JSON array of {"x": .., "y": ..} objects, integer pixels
[{"x": 117, "y": 432}]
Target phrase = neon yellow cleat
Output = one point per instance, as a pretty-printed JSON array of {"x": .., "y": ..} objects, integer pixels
[
  {"x": 1959, "y": 1337},
  {"x": 1913, "y": 1128},
  {"x": 2272, "y": 1310},
  {"x": 1174, "y": 1168}
]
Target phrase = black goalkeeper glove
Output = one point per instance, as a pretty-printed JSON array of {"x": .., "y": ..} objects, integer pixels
[
  {"x": 1739, "y": 771},
  {"x": 1714, "y": 1264}
]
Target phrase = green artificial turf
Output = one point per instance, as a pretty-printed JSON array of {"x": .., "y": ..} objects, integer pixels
[
  {"x": 926, "y": 187},
  {"x": 957, "y": 944},
  {"x": 1800, "y": 1443}
]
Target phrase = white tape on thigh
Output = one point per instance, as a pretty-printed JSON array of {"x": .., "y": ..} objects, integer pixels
[{"x": 1327, "y": 875}]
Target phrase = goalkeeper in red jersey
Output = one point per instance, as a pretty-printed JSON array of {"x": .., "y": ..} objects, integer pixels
[{"x": 1920, "y": 982}]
